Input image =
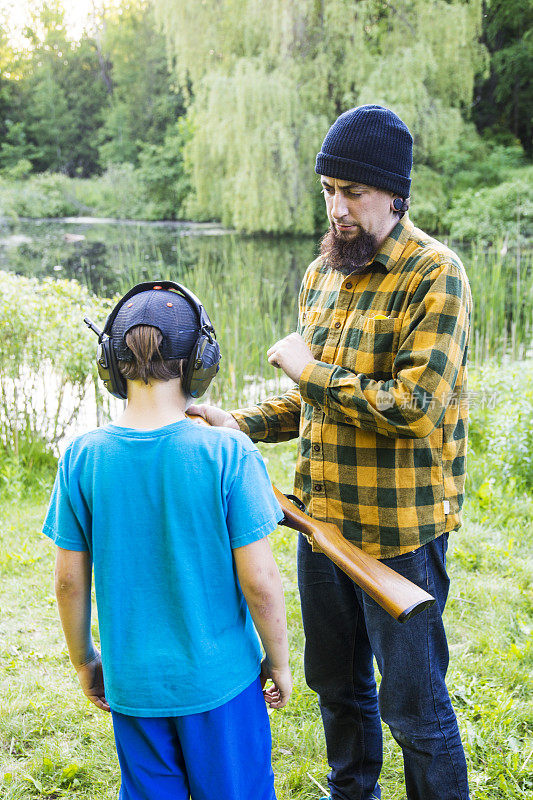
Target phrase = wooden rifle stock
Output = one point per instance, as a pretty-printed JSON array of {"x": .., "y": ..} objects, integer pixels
[
  {"x": 401, "y": 598},
  {"x": 397, "y": 595}
]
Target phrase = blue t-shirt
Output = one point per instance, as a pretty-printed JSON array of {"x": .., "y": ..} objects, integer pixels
[{"x": 160, "y": 512}]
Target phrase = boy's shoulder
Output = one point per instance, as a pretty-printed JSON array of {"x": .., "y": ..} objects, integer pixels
[
  {"x": 227, "y": 440},
  {"x": 83, "y": 442},
  {"x": 225, "y": 437},
  {"x": 89, "y": 438}
]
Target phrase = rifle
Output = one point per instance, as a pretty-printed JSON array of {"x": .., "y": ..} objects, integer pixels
[{"x": 397, "y": 595}]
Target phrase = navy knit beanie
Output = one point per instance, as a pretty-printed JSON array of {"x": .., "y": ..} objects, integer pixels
[{"x": 370, "y": 145}]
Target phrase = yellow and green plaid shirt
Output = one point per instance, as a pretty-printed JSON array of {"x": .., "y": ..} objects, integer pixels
[{"x": 381, "y": 414}]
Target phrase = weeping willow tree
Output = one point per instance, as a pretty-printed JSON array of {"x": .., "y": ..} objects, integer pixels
[
  {"x": 267, "y": 79},
  {"x": 253, "y": 141}
]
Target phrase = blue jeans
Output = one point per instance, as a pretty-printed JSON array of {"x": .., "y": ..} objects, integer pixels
[{"x": 344, "y": 629}]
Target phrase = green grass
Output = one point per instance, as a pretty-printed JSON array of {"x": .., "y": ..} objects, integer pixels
[{"x": 54, "y": 743}]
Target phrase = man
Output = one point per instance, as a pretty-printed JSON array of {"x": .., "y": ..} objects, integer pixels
[{"x": 379, "y": 363}]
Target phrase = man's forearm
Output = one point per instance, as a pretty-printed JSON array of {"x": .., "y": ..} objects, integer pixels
[
  {"x": 276, "y": 419},
  {"x": 426, "y": 367},
  {"x": 389, "y": 408}
]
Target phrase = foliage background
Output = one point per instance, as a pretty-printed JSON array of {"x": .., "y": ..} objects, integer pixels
[{"x": 216, "y": 110}]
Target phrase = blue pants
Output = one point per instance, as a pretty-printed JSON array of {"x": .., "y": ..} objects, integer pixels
[
  {"x": 223, "y": 753},
  {"x": 344, "y": 629}
]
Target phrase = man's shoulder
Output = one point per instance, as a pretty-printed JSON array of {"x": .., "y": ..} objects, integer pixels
[
  {"x": 318, "y": 266},
  {"x": 425, "y": 253}
]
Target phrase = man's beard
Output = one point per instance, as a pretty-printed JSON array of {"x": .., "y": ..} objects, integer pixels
[{"x": 348, "y": 255}]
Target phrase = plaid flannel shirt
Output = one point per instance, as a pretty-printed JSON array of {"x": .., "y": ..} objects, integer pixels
[{"x": 381, "y": 414}]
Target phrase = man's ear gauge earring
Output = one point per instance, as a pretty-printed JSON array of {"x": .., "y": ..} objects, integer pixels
[{"x": 400, "y": 204}]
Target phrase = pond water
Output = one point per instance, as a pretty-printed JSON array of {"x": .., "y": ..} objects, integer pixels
[
  {"x": 249, "y": 286},
  {"x": 243, "y": 276},
  {"x": 106, "y": 254}
]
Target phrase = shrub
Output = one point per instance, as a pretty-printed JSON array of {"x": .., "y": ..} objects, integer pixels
[
  {"x": 44, "y": 195},
  {"x": 30, "y": 469},
  {"x": 428, "y": 199},
  {"x": 46, "y": 358},
  {"x": 490, "y": 214},
  {"x": 118, "y": 193},
  {"x": 19, "y": 170},
  {"x": 477, "y": 163},
  {"x": 162, "y": 174}
]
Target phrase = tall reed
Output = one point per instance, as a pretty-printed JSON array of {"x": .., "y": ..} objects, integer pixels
[
  {"x": 251, "y": 300},
  {"x": 250, "y": 286},
  {"x": 501, "y": 280}
]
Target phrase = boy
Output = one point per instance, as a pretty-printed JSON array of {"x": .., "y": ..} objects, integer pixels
[{"x": 174, "y": 518}]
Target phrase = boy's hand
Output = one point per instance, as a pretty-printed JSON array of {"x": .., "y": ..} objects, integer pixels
[
  {"x": 278, "y": 695},
  {"x": 214, "y": 415},
  {"x": 91, "y": 679}
]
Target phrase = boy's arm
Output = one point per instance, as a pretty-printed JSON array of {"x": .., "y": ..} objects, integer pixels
[
  {"x": 73, "y": 573},
  {"x": 261, "y": 585}
]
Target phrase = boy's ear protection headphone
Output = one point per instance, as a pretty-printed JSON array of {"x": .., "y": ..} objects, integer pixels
[{"x": 203, "y": 361}]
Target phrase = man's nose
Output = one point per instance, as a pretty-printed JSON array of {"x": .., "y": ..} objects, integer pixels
[{"x": 339, "y": 208}]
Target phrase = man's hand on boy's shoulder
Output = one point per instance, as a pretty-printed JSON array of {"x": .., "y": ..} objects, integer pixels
[
  {"x": 214, "y": 416},
  {"x": 91, "y": 678}
]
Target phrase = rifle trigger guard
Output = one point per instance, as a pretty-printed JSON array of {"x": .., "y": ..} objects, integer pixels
[{"x": 296, "y": 501}]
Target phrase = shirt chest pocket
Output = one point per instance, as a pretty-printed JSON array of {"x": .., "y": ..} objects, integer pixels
[{"x": 369, "y": 346}]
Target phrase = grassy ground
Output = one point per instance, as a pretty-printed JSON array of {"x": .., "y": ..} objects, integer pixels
[{"x": 53, "y": 743}]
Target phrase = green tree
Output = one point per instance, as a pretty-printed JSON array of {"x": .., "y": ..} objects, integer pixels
[
  {"x": 143, "y": 102},
  {"x": 505, "y": 99},
  {"x": 162, "y": 173},
  {"x": 6, "y": 59},
  {"x": 268, "y": 79},
  {"x": 14, "y": 147},
  {"x": 59, "y": 100}
]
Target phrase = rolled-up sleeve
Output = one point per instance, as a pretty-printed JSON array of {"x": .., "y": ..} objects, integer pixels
[
  {"x": 275, "y": 420},
  {"x": 253, "y": 511}
]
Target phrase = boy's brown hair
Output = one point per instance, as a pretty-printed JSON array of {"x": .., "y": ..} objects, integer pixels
[{"x": 144, "y": 342}]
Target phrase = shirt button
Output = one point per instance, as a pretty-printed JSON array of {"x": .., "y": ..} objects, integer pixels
[
  {"x": 316, "y": 447},
  {"x": 337, "y": 324},
  {"x": 317, "y": 487},
  {"x": 348, "y": 285}
]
